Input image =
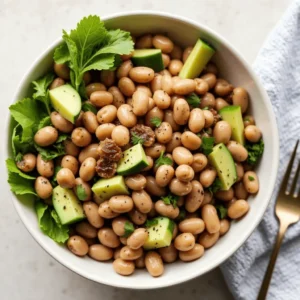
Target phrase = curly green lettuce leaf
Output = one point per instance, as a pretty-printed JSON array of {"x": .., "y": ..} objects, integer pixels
[
  {"x": 49, "y": 153},
  {"x": 20, "y": 183},
  {"x": 50, "y": 224}
]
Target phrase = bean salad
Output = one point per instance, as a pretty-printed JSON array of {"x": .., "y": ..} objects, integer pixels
[{"x": 150, "y": 165}]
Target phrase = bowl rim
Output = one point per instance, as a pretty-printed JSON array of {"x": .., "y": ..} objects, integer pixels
[{"x": 223, "y": 256}]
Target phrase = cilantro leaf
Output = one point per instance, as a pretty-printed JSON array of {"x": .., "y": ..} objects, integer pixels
[
  {"x": 50, "y": 223},
  {"x": 221, "y": 210},
  {"x": 170, "y": 200},
  {"x": 135, "y": 139},
  {"x": 163, "y": 160},
  {"x": 156, "y": 121},
  {"x": 129, "y": 229},
  {"x": 255, "y": 151},
  {"x": 216, "y": 186},
  {"x": 207, "y": 145},
  {"x": 251, "y": 178},
  {"x": 193, "y": 100},
  {"x": 150, "y": 223},
  {"x": 41, "y": 90},
  {"x": 80, "y": 192},
  {"x": 89, "y": 107},
  {"x": 19, "y": 157}
]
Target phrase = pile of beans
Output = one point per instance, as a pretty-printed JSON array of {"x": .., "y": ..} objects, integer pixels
[{"x": 135, "y": 95}]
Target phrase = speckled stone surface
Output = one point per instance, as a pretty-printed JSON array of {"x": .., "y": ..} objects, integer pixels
[{"x": 26, "y": 29}]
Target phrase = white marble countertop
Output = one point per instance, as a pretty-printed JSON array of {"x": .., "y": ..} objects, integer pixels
[{"x": 26, "y": 29}]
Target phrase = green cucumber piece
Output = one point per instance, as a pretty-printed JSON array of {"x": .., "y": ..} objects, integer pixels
[
  {"x": 151, "y": 58},
  {"x": 66, "y": 101},
  {"x": 66, "y": 204},
  {"x": 197, "y": 60},
  {"x": 160, "y": 234},
  {"x": 220, "y": 158},
  {"x": 233, "y": 115},
  {"x": 133, "y": 161},
  {"x": 106, "y": 188}
]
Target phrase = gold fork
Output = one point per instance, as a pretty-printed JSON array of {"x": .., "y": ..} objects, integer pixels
[{"x": 288, "y": 212}]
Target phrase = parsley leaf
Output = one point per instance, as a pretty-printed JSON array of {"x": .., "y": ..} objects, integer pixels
[
  {"x": 41, "y": 90},
  {"x": 62, "y": 138},
  {"x": 92, "y": 47},
  {"x": 251, "y": 178},
  {"x": 135, "y": 139},
  {"x": 216, "y": 186},
  {"x": 163, "y": 160},
  {"x": 221, "y": 210},
  {"x": 80, "y": 192},
  {"x": 50, "y": 223},
  {"x": 170, "y": 200},
  {"x": 19, "y": 157},
  {"x": 89, "y": 107},
  {"x": 150, "y": 223},
  {"x": 207, "y": 145},
  {"x": 255, "y": 151},
  {"x": 156, "y": 121},
  {"x": 193, "y": 100},
  {"x": 129, "y": 229}
]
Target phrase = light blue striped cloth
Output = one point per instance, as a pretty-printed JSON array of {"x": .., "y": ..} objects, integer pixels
[{"x": 278, "y": 66}]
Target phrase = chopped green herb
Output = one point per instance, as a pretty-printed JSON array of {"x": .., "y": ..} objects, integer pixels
[
  {"x": 246, "y": 119},
  {"x": 255, "y": 151},
  {"x": 44, "y": 122},
  {"x": 170, "y": 200},
  {"x": 221, "y": 210},
  {"x": 182, "y": 215},
  {"x": 49, "y": 153},
  {"x": 207, "y": 145},
  {"x": 205, "y": 108},
  {"x": 163, "y": 160},
  {"x": 89, "y": 107},
  {"x": 54, "y": 180},
  {"x": 193, "y": 100},
  {"x": 135, "y": 139},
  {"x": 150, "y": 223},
  {"x": 156, "y": 121},
  {"x": 251, "y": 178},
  {"x": 80, "y": 192},
  {"x": 216, "y": 186},
  {"x": 62, "y": 138},
  {"x": 129, "y": 229}
]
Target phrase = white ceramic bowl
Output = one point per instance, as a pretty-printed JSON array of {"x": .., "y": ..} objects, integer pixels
[{"x": 232, "y": 67}]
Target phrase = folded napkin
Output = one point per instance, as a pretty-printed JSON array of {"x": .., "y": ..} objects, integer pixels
[{"x": 278, "y": 66}]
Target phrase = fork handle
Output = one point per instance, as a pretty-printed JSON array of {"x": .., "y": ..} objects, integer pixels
[{"x": 268, "y": 276}]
